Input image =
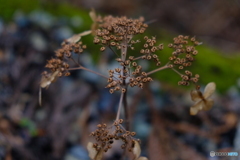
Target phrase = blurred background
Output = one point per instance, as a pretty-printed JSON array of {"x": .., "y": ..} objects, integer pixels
[{"x": 31, "y": 30}]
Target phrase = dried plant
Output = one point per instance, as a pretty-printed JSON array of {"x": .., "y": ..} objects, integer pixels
[{"x": 117, "y": 34}]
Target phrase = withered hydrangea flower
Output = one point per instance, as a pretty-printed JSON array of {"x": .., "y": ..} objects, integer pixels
[
  {"x": 116, "y": 34},
  {"x": 203, "y": 101}
]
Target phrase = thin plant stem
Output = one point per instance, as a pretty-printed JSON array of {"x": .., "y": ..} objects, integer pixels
[
  {"x": 125, "y": 105},
  {"x": 89, "y": 70},
  {"x": 158, "y": 69},
  {"x": 124, "y": 48},
  {"x": 177, "y": 71},
  {"x": 140, "y": 57},
  {"x": 75, "y": 61},
  {"x": 119, "y": 106},
  {"x": 123, "y": 56},
  {"x": 113, "y": 51}
]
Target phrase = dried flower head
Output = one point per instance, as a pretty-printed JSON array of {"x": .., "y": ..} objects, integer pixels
[{"x": 203, "y": 102}]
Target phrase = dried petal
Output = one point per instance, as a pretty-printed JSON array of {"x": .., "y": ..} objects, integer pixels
[
  {"x": 48, "y": 79},
  {"x": 93, "y": 15},
  {"x": 45, "y": 83},
  {"x": 75, "y": 38},
  {"x": 197, "y": 107},
  {"x": 195, "y": 95},
  {"x": 208, "y": 104},
  {"x": 209, "y": 89},
  {"x": 136, "y": 149},
  {"x": 93, "y": 153}
]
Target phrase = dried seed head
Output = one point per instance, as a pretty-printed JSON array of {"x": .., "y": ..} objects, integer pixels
[
  {"x": 144, "y": 73},
  {"x": 193, "y": 39},
  {"x": 127, "y": 62},
  {"x": 180, "y": 67},
  {"x": 149, "y": 79},
  {"x": 140, "y": 85},
  {"x": 158, "y": 63},
  {"x": 131, "y": 58},
  {"x": 117, "y": 88},
  {"x": 120, "y": 121},
  {"x": 135, "y": 83},
  {"x": 113, "y": 43},
  {"x": 138, "y": 79},
  {"x": 144, "y": 80},
  {"x": 195, "y": 80},
  {"x": 67, "y": 74},
  {"x": 111, "y": 91},
  {"x": 149, "y": 57},
  {"x": 197, "y": 76},
  {"x": 147, "y": 51},
  {"x": 102, "y": 49},
  {"x": 160, "y": 46},
  {"x": 195, "y": 52},
  {"x": 110, "y": 80},
  {"x": 123, "y": 90},
  {"x": 134, "y": 64},
  {"x": 118, "y": 70}
]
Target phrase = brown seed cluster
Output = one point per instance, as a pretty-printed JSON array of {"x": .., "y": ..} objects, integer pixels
[
  {"x": 149, "y": 49},
  {"x": 183, "y": 56},
  {"x": 138, "y": 77},
  {"x": 105, "y": 136},
  {"x": 132, "y": 73},
  {"x": 188, "y": 77},
  {"x": 58, "y": 63},
  {"x": 115, "y": 80},
  {"x": 113, "y": 30},
  {"x": 69, "y": 48}
]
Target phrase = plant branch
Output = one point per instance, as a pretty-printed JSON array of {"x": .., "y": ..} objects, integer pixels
[
  {"x": 124, "y": 48},
  {"x": 113, "y": 51},
  {"x": 89, "y": 70},
  {"x": 177, "y": 71},
  {"x": 158, "y": 69},
  {"x": 125, "y": 105},
  {"x": 75, "y": 61},
  {"x": 140, "y": 57},
  {"x": 119, "y": 106}
]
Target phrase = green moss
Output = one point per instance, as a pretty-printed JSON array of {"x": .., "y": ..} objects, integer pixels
[{"x": 7, "y": 8}]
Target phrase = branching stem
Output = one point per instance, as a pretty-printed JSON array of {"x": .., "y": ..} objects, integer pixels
[
  {"x": 89, "y": 70},
  {"x": 158, "y": 69},
  {"x": 177, "y": 71}
]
